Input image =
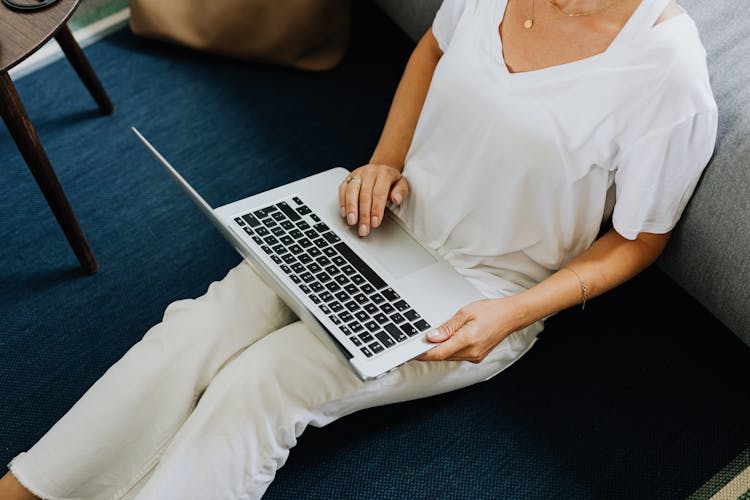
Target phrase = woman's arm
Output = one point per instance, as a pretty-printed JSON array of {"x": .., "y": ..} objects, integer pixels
[
  {"x": 363, "y": 201},
  {"x": 477, "y": 328}
]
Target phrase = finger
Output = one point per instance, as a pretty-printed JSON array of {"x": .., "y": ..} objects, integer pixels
[
  {"x": 342, "y": 198},
  {"x": 445, "y": 350},
  {"x": 351, "y": 199},
  {"x": 365, "y": 201},
  {"x": 449, "y": 328},
  {"x": 379, "y": 198},
  {"x": 399, "y": 191}
]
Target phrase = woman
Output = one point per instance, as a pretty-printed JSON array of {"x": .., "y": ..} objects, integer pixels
[{"x": 522, "y": 126}]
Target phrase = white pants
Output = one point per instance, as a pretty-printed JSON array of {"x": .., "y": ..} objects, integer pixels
[{"x": 209, "y": 403}]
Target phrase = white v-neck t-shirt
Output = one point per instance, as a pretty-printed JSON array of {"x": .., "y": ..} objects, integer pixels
[{"x": 512, "y": 174}]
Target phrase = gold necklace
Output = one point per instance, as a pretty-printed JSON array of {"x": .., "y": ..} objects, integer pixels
[{"x": 582, "y": 13}]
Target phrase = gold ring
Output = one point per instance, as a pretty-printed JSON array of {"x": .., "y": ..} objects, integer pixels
[{"x": 353, "y": 178}]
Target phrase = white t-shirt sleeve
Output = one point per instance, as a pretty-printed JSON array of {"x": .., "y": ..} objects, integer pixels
[
  {"x": 446, "y": 20},
  {"x": 657, "y": 176}
]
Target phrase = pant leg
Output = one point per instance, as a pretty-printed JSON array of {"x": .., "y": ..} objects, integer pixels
[
  {"x": 117, "y": 431},
  {"x": 255, "y": 409}
]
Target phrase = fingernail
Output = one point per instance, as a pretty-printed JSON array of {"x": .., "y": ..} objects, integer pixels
[
  {"x": 343, "y": 211},
  {"x": 363, "y": 229},
  {"x": 351, "y": 218},
  {"x": 434, "y": 335},
  {"x": 399, "y": 199},
  {"x": 374, "y": 222}
]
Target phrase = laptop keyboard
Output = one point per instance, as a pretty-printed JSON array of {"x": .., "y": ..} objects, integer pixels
[{"x": 353, "y": 296}]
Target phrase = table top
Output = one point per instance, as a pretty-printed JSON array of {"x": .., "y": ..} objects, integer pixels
[{"x": 22, "y": 33}]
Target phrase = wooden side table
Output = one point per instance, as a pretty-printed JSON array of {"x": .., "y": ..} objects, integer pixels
[{"x": 21, "y": 34}]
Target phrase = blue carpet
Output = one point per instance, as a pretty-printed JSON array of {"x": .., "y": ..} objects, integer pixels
[{"x": 635, "y": 398}]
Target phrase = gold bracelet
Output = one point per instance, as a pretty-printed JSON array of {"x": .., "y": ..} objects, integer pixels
[{"x": 584, "y": 287}]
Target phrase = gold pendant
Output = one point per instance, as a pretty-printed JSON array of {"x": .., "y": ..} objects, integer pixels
[{"x": 528, "y": 24}]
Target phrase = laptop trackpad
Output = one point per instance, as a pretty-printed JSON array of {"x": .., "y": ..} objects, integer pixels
[{"x": 395, "y": 249}]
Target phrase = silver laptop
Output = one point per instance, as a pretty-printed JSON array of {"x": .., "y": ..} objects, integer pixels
[{"x": 372, "y": 299}]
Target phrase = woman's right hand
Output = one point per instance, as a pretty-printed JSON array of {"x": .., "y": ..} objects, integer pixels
[{"x": 366, "y": 190}]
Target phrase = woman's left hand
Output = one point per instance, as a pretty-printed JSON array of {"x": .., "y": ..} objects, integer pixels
[{"x": 474, "y": 331}]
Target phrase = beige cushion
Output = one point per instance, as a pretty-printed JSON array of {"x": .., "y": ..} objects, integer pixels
[{"x": 305, "y": 34}]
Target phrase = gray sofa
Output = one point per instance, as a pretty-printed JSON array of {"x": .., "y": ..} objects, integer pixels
[{"x": 709, "y": 252}]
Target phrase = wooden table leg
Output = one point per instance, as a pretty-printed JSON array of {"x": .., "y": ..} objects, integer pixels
[
  {"x": 85, "y": 72},
  {"x": 23, "y": 133}
]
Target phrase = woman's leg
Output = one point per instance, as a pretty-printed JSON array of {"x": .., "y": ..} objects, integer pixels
[
  {"x": 253, "y": 411},
  {"x": 117, "y": 431}
]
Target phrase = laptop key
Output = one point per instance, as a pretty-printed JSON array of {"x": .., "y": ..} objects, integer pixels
[
  {"x": 296, "y": 234},
  {"x": 354, "y": 339},
  {"x": 304, "y": 210},
  {"x": 397, "y": 318},
  {"x": 251, "y": 220},
  {"x": 421, "y": 325},
  {"x": 387, "y": 308},
  {"x": 389, "y": 294},
  {"x": 326, "y": 296},
  {"x": 380, "y": 318},
  {"x": 295, "y": 249},
  {"x": 314, "y": 298},
  {"x": 239, "y": 221},
  {"x": 304, "y": 242},
  {"x": 376, "y": 348},
  {"x": 352, "y": 305},
  {"x": 248, "y": 230},
  {"x": 278, "y": 216},
  {"x": 365, "y": 337},
  {"x": 351, "y": 289},
  {"x": 360, "y": 298},
  {"x": 372, "y": 326},
  {"x": 320, "y": 243},
  {"x": 361, "y": 315},
  {"x": 332, "y": 270},
  {"x": 358, "y": 279},
  {"x": 288, "y": 258},
  {"x": 276, "y": 259},
  {"x": 329, "y": 251},
  {"x": 278, "y": 232},
  {"x": 313, "y": 252},
  {"x": 279, "y": 249},
  {"x": 303, "y": 225},
  {"x": 298, "y": 268},
  {"x": 314, "y": 267},
  {"x": 286, "y": 269},
  {"x": 287, "y": 225},
  {"x": 367, "y": 352},
  {"x": 336, "y": 306},
  {"x": 288, "y": 211},
  {"x": 316, "y": 287},
  {"x": 297, "y": 200},
  {"x": 266, "y": 249},
  {"x": 371, "y": 308},
  {"x": 341, "y": 279},
  {"x": 395, "y": 333},
  {"x": 335, "y": 320},
  {"x": 385, "y": 339},
  {"x": 270, "y": 240},
  {"x": 356, "y": 327},
  {"x": 331, "y": 238},
  {"x": 367, "y": 289},
  {"x": 346, "y": 316},
  {"x": 262, "y": 231},
  {"x": 286, "y": 240},
  {"x": 323, "y": 277},
  {"x": 311, "y": 233},
  {"x": 257, "y": 240},
  {"x": 408, "y": 329},
  {"x": 342, "y": 296},
  {"x": 401, "y": 305},
  {"x": 321, "y": 227},
  {"x": 333, "y": 286},
  {"x": 411, "y": 315},
  {"x": 304, "y": 258}
]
